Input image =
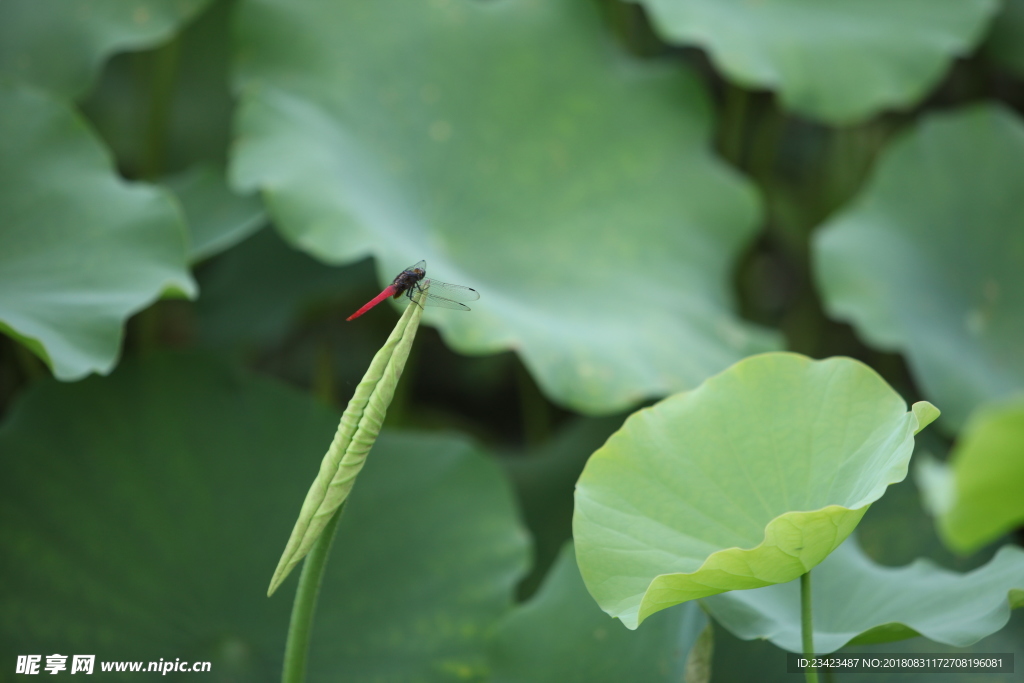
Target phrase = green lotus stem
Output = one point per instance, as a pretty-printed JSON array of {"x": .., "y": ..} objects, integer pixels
[
  {"x": 162, "y": 77},
  {"x": 533, "y": 408},
  {"x": 733, "y": 127},
  {"x": 807, "y": 625},
  {"x": 300, "y": 627}
]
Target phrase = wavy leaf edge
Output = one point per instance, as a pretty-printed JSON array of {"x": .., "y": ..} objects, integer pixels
[
  {"x": 843, "y": 519},
  {"x": 830, "y": 640}
]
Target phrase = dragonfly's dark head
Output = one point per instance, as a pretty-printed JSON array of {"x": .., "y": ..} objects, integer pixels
[{"x": 419, "y": 273}]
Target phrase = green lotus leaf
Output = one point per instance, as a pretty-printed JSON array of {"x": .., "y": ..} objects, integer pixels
[
  {"x": 544, "y": 477},
  {"x": 217, "y": 217},
  {"x": 190, "y": 77},
  {"x": 59, "y": 45},
  {"x": 561, "y": 636},
  {"x": 977, "y": 496},
  {"x": 80, "y": 249},
  {"x": 840, "y": 61},
  {"x": 141, "y": 514},
  {"x": 602, "y": 257},
  {"x": 256, "y": 292},
  {"x": 895, "y": 531},
  {"x": 751, "y": 479},
  {"x": 899, "y": 529},
  {"x": 927, "y": 260},
  {"x": 857, "y": 601}
]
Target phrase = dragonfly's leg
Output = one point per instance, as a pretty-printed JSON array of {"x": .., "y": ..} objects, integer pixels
[{"x": 409, "y": 293}]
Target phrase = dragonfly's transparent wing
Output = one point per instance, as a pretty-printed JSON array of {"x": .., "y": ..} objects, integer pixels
[
  {"x": 422, "y": 265},
  {"x": 443, "y": 290},
  {"x": 441, "y": 302}
]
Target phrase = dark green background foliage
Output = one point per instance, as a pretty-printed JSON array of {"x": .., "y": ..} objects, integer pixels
[{"x": 194, "y": 194}]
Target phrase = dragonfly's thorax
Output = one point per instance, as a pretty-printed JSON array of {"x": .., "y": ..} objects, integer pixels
[{"x": 407, "y": 280}]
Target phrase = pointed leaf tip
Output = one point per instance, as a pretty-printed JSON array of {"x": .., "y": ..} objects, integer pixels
[{"x": 925, "y": 413}]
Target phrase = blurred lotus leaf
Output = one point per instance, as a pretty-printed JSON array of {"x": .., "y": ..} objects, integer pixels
[
  {"x": 217, "y": 218},
  {"x": 977, "y": 495},
  {"x": 60, "y": 45},
  {"x": 141, "y": 513},
  {"x": 927, "y": 260},
  {"x": 840, "y": 61},
  {"x": 513, "y": 147},
  {"x": 856, "y": 601},
  {"x": 80, "y": 250},
  {"x": 1005, "y": 45},
  {"x": 561, "y": 636}
]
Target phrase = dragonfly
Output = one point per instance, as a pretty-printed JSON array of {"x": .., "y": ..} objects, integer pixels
[{"x": 412, "y": 280}]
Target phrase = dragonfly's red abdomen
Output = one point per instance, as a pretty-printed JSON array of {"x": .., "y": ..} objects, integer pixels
[{"x": 439, "y": 294}]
